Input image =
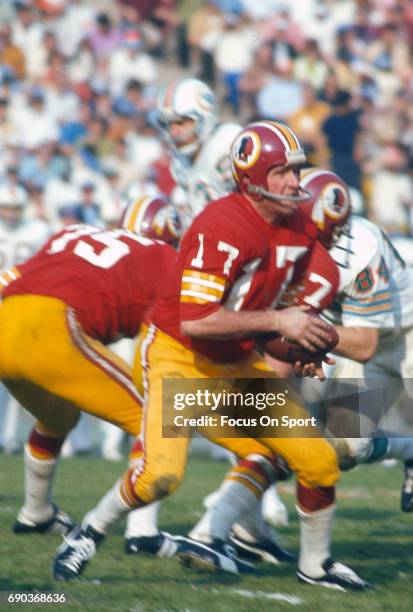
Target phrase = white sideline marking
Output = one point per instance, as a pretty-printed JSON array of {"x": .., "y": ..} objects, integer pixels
[{"x": 292, "y": 599}]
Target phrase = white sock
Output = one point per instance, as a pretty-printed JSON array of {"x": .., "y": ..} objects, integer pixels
[
  {"x": 216, "y": 523},
  {"x": 399, "y": 448},
  {"x": 39, "y": 476},
  {"x": 315, "y": 538},
  {"x": 250, "y": 525},
  {"x": 110, "y": 509},
  {"x": 273, "y": 509},
  {"x": 143, "y": 521}
]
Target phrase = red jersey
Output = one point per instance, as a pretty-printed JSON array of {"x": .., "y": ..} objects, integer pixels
[
  {"x": 108, "y": 277},
  {"x": 232, "y": 257}
]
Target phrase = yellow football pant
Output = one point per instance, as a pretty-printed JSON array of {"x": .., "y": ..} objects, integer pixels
[
  {"x": 55, "y": 370},
  {"x": 160, "y": 467}
]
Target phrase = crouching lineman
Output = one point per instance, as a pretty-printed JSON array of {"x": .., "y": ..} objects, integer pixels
[
  {"x": 373, "y": 314},
  {"x": 235, "y": 260},
  {"x": 85, "y": 288}
]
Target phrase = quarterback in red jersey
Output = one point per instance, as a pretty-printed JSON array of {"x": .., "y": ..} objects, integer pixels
[
  {"x": 236, "y": 259},
  {"x": 85, "y": 288}
]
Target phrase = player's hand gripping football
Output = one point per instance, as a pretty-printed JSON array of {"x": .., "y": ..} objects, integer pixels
[{"x": 298, "y": 324}]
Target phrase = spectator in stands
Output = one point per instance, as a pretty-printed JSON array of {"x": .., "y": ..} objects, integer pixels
[
  {"x": 34, "y": 123},
  {"x": 10, "y": 54},
  {"x": 87, "y": 209},
  {"x": 105, "y": 38},
  {"x": 7, "y": 128},
  {"x": 254, "y": 79},
  {"x": 307, "y": 123},
  {"x": 342, "y": 131},
  {"x": 310, "y": 66},
  {"x": 130, "y": 62},
  {"x": 281, "y": 96},
  {"x": 28, "y": 35},
  {"x": 392, "y": 191},
  {"x": 233, "y": 55}
]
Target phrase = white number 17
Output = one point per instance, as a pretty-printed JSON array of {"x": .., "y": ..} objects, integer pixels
[{"x": 224, "y": 247}]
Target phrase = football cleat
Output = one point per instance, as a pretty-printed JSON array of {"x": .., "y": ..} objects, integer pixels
[
  {"x": 337, "y": 576},
  {"x": 406, "y": 501},
  {"x": 162, "y": 545},
  {"x": 59, "y": 522},
  {"x": 261, "y": 550},
  {"x": 78, "y": 548},
  {"x": 215, "y": 556}
]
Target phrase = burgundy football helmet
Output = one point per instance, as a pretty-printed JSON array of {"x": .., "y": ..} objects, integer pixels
[
  {"x": 259, "y": 147},
  {"x": 152, "y": 217},
  {"x": 330, "y": 203}
]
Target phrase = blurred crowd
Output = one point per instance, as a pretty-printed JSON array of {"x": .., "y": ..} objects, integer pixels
[
  {"x": 78, "y": 82},
  {"x": 78, "y": 79},
  {"x": 339, "y": 72}
]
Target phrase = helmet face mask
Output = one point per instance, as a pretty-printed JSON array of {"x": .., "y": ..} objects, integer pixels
[
  {"x": 187, "y": 99},
  {"x": 330, "y": 204},
  {"x": 153, "y": 218},
  {"x": 260, "y": 147}
]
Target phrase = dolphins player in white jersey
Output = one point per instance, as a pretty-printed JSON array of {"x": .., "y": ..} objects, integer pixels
[
  {"x": 19, "y": 239},
  {"x": 187, "y": 118},
  {"x": 373, "y": 314}
]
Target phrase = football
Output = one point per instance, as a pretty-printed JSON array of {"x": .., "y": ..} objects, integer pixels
[{"x": 290, "y": 351}]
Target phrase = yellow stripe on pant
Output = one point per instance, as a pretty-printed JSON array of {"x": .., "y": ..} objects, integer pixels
[
  {"x": 54, "y": 369},
  {"x": 162, "y": 467}
]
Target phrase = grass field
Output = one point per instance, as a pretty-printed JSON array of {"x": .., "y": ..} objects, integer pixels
[{"x": 370, "y": 534}]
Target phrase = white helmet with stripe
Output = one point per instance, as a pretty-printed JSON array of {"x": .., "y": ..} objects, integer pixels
[
  {"x": 152, "y": 217},
  {"x": 187, "y": 98}
]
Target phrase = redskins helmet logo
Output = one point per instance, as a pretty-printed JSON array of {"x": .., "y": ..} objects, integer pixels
[
  {"x": 332, "y": 203},
  {"x": 246, "y": 150},
  {"x": 335, "y": 201}
]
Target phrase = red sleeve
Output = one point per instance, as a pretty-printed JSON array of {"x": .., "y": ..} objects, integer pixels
[
  {"x": 209, "y": 264},
  {"x": 315, "y": 280}
]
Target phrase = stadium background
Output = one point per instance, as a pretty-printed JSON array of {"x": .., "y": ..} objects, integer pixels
[{"x": 78, "y": 81}]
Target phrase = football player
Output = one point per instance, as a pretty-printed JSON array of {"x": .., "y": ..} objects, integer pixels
[
  {"x": 234, "y": 262},
  {"x": 20, "y": 237},
  {"x": 373, "y": 314},
  {"x": 85, "y": 288},
  {"x": 188, "y": 120}
]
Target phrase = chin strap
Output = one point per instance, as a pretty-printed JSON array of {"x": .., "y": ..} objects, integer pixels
[{"x": 259, "y": 190}]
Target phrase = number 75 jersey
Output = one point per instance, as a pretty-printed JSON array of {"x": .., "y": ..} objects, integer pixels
[
  {"x": 231, "y": 257},
  {"x": 109, "y": 278}
]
